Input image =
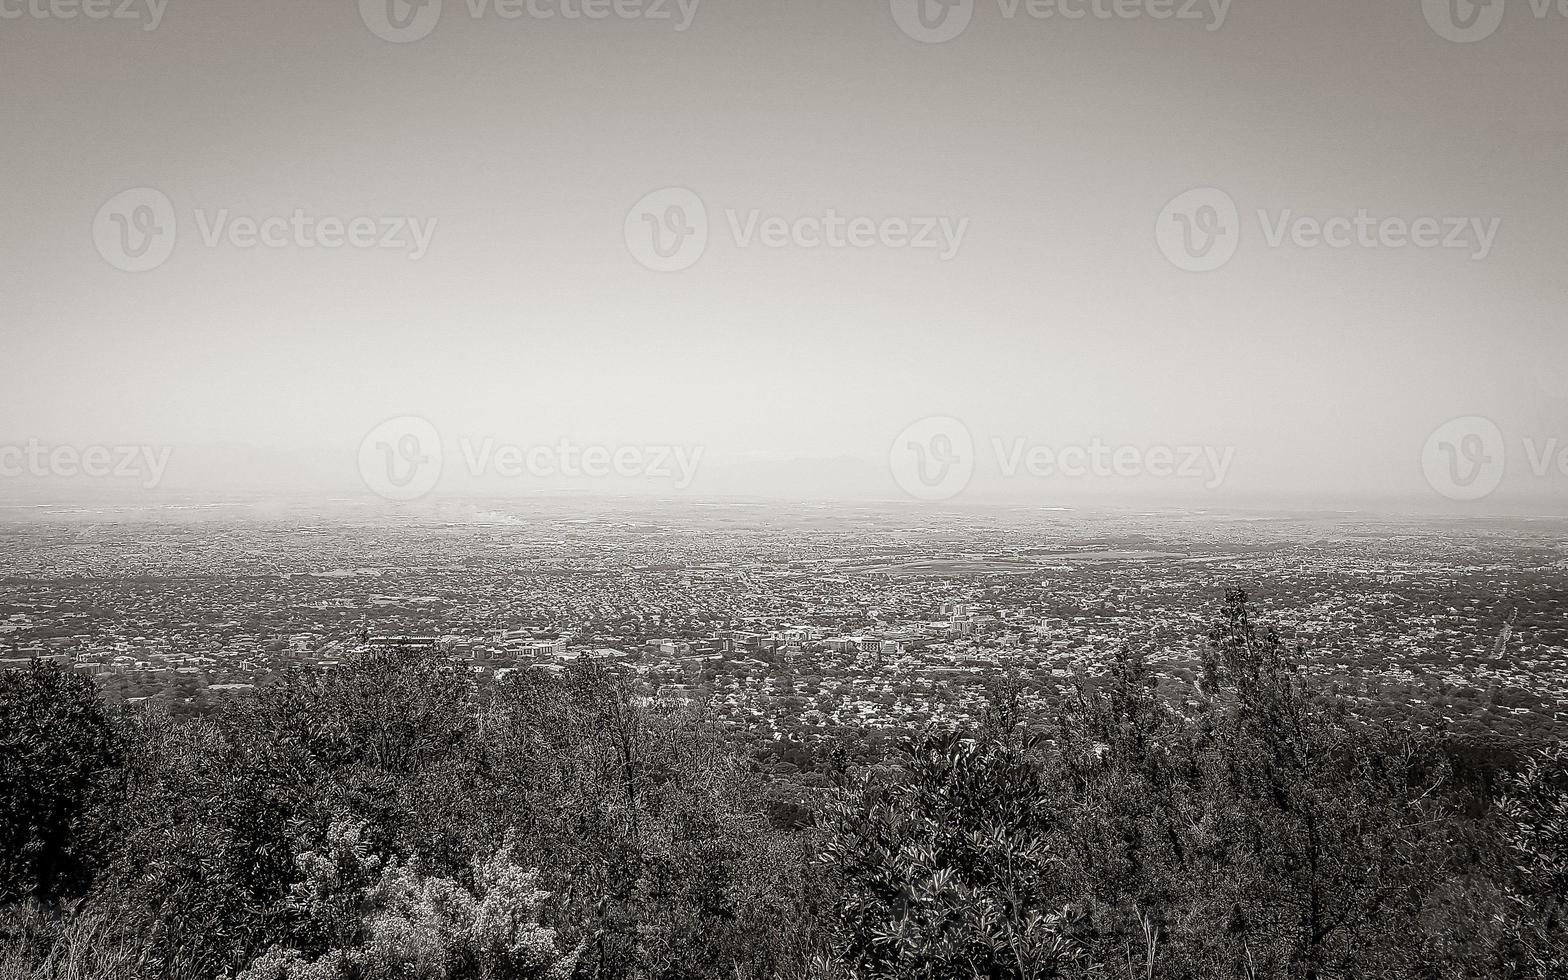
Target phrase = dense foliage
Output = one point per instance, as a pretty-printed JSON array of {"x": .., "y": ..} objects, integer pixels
[{"x": 397, "y": 818}]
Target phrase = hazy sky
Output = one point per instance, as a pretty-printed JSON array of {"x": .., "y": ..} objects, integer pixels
[{"x": 1057, "y": 319}]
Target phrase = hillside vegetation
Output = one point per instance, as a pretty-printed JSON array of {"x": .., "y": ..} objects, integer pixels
[{"x": 397, "y": 818}]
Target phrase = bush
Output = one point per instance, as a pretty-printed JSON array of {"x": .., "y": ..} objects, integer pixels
[
  {"x": 406, "y": 925},
  {"x": 1255, "y": 836}
]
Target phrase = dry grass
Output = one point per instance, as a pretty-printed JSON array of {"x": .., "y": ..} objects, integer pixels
[{"x": 38, "y": 946}]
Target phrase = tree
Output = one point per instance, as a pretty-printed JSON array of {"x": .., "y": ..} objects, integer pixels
[
  {"x": 944, "y": 866},
  {"x": 398, "y": 923},
  {"x": 1326, "y": 838},
  {"x": 653, "y": 840},
  {"x": 1535, "y": 836},
  {"x": 1260, "y": 835},
  {"x": 60, "y": 755}
]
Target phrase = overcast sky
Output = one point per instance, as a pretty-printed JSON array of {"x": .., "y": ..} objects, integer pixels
[{"x": 521, "y": 146}]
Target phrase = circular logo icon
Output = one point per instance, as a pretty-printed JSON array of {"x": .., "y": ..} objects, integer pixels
[
  {"x": 1463, "y": 21},
  {"x": 400, "y": 459},
  {"x": 1199, "y": 230},
  {"x": 933, "y": 459},
  {"x": 1464, "y": 458},
  {"x": 933, "y": 21},
  {"x": 667, "y": 231},
  {"x": 400, "y": 21},
  {"x": 135, "y": 230}
]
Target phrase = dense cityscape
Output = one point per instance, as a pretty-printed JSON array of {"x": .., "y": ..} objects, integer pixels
[{"x": 795, "y": 626}]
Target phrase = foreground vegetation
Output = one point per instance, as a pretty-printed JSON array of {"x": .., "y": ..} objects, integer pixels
[{"x": 397, "y": 819}]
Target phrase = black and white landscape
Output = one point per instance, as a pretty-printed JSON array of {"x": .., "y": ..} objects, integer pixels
[{"x": 794, "y": 490}]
